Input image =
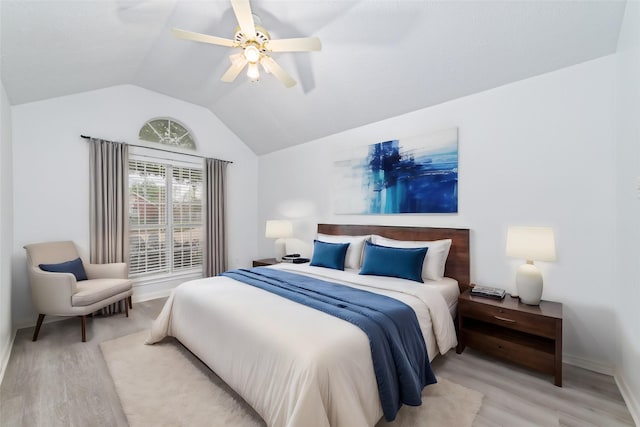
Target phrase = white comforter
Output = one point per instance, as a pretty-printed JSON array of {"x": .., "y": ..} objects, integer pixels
[{"x": 294, "y": 365}]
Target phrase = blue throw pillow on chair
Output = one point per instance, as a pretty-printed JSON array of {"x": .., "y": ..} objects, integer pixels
[
  {"x": 405, "y": 263},
  {"x": 75, "y": 267},
  {"x": 329, "y": 255}
]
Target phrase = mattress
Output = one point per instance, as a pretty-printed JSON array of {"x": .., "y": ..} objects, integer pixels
[{"x": 295, "y": 365}]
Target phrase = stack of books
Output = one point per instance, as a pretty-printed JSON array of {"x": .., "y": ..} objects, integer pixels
[{"x": 486, "y": 291}]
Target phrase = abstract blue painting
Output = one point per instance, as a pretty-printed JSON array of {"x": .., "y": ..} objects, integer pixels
[{"x": 408, "y": 175}]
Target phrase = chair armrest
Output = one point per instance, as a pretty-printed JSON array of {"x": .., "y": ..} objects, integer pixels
[
  {"x": 51, "y": 292},
  {"x": 116, "y": 270}
]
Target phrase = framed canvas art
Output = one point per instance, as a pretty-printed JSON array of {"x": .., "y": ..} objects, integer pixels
[{"x": 409, "y": 175}]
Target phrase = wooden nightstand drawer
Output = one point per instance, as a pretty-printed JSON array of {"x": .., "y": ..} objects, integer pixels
[
  {"x": 512, "y": 348},
  {"x": 512, "y": 319}
]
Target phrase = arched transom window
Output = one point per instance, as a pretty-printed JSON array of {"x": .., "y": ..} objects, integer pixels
[{"x": 167, "y": 131}]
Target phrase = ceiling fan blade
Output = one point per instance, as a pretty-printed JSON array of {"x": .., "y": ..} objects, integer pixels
[
  {"x": 294, "y": 45},
  {"x": 272, "y": 66},
  {"x": 232, "y": 72},
  {"x": 242, "y": 9},
  {"x": 204, "y": 38}
]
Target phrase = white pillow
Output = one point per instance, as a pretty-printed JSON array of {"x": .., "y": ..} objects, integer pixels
[
  {"x": 433, "y": 266},
  {"x": 353, "y": 259}
]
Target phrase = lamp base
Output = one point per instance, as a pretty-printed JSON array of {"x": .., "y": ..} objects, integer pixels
[
  {"x": 529, "y": 284},
  {"x": 281, "y": 249}
]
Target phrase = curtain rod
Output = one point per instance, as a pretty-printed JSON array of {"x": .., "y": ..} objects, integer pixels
[{"x": 160, "y": 149}]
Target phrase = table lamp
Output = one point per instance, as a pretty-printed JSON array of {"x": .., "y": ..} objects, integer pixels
[
  {"x": 279, "y": 230},
  {"x": 531, "y": 244}
]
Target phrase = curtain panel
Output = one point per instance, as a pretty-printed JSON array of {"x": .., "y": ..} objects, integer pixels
[
  {"x": 109, "y": 201},
  {"x": 215, "y": 239}
]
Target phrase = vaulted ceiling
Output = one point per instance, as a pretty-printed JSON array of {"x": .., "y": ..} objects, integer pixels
[{"x": 379, "y": 58}]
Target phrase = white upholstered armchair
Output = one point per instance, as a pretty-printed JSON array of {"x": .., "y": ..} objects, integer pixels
[{"x": 62, "y": 293}]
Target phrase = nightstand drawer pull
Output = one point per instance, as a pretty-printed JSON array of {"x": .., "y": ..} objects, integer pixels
[{"x": 505, "y": 319}]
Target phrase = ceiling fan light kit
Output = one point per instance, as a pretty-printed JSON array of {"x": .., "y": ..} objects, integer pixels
[
  {"x": 252, "y": 54},
  {"x": 253, "y": 72},
  {"x": 256, "y": 45}
]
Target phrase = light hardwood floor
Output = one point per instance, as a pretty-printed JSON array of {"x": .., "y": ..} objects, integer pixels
[{"x": 60, "y": 381}]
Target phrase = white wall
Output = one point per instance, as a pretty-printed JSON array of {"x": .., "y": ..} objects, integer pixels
[
  {"x": 51, "y": 170},
  {"x": 536, "y": 152},
  {"x": 628, "y": 204},
  {"x": 6, "y": 229}
]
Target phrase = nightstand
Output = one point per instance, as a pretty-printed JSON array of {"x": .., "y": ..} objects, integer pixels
[
  {"x": 264, "y": 262},
  {"x": 527, "y": 335}
]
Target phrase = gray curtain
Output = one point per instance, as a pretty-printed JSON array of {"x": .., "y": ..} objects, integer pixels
[
  {"x": 215, "y": 239},
  {"x": 109, "y": 169}
]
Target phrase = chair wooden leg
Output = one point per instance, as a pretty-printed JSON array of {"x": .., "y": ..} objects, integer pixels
[
  {"x": 130, "y": 303},
  {"x": 126, "y": 308},
  {"x": 38, "y": 324},
  {"x": 84, "y": 328}
]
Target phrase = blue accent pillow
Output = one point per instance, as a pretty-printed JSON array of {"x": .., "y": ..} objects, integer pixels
[
  {"x": 405, "y": 263},
  {"x": 330, "y": 255},
  {"x": 75, "y": 266}
]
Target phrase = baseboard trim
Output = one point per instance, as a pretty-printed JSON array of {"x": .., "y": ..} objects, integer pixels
[
  {"x": 4, "y": 360},
  {"x": 632, "y": 403},
  {"x": 31, "y": 322},
  {"x": 590, "y": 365},
  {"x": 603, "y": 368}
]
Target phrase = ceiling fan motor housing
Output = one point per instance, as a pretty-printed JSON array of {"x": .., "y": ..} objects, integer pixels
[{"x": 262, "y": 37}]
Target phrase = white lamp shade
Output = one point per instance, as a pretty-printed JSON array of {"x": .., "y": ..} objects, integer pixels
[
  {"x": 277, "y": 229},
  {"x": 531, "y": 243}
]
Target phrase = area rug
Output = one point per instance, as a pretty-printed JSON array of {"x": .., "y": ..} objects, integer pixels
[{"x": 165, "y": 385}]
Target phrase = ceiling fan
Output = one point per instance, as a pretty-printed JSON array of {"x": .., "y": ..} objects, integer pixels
[{"x": 256, "y": 45}]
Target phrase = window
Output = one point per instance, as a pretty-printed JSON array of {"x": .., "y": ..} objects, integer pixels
[
  {"x": 165, "y": 217},
  {"x": 168, "y": 132}
]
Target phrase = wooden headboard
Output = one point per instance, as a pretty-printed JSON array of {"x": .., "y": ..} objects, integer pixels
[{"x": 457, "y": 266}]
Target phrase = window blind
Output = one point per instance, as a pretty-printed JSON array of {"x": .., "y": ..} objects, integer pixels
[
  {"x": 165, "y": 217},
  {"x": 187, "y": 218}
]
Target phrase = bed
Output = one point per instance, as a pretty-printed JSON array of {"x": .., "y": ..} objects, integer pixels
[{"x": 297, "y": 366}]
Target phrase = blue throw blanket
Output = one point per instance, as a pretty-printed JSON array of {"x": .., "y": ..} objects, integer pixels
[{"x": 399, "y": 354}]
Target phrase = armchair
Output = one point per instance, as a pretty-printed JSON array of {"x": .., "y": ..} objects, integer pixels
[{"x": 60, "y": 294}]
